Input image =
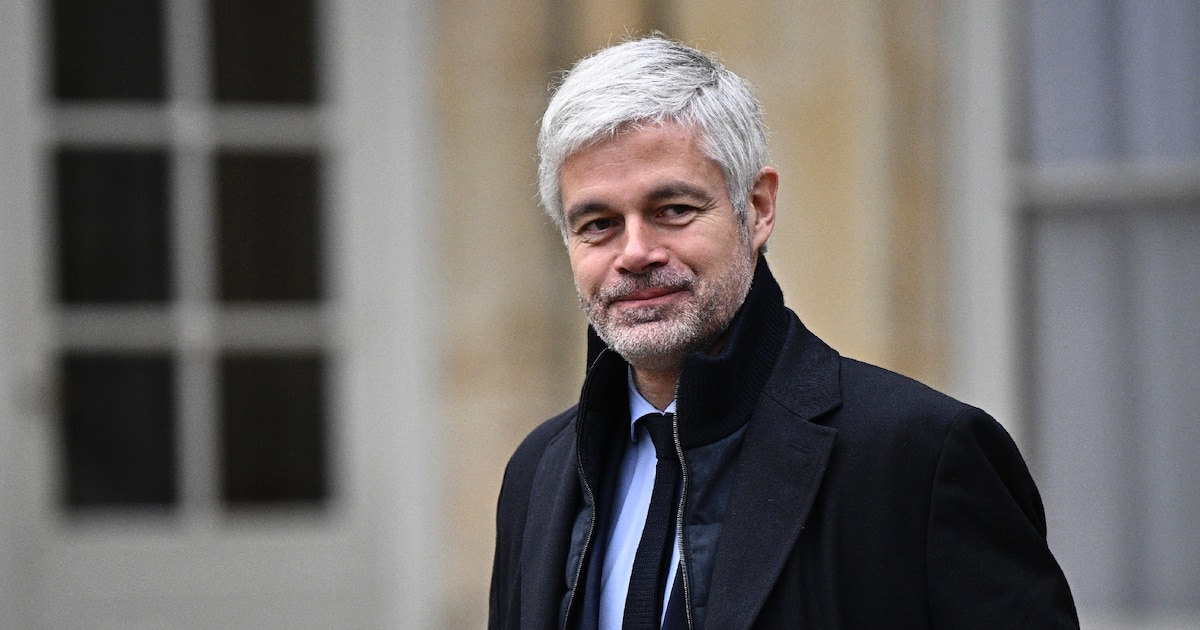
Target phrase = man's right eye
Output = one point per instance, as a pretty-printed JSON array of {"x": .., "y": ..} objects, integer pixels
[{"x": 596, "y": 226}]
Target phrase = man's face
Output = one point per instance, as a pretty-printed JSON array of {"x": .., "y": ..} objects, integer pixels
[{"x": 660, "y": 261}]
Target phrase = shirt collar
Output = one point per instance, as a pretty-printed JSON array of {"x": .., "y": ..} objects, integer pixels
[{"x": 639, "y": 406}]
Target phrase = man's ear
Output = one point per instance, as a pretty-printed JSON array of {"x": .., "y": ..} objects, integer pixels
[{"x": 760, "y": 207}]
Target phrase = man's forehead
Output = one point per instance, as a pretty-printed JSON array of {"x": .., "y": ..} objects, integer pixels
[
  {"x": 662, "y": 139},
  {"x": 669, "y": 164}
]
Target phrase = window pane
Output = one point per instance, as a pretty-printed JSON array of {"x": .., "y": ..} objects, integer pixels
[
  {"x": 112, "y": 226},
  {"x": 268, "y": 216},
  {"x": 1074, "y": 82},
  {"x": 273, "y": 428},
  {"x": 1160, "y": 49},
  {"x": 118, "y": 430},
  {"x": 108, "y": 50},
  {"x": 264, "y": 51}
]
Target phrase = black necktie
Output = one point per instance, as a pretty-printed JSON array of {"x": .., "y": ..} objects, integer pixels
[{"x": 643, "y": 602}]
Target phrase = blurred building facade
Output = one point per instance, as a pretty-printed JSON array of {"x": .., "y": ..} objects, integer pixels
[{"x": 277, "y": 301}]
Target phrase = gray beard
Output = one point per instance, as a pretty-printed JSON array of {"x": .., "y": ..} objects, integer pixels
[{"x": 658, "y": 338}]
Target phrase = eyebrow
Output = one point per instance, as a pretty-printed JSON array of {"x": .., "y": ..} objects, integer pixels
[
  {"x": 584, "y": 208},
  {"x": 672, "y": 190},
  {"x": 680, "y": 189}
]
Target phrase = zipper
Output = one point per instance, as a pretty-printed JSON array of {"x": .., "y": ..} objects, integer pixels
[
  {"x": 587, "y": 489},
  {"x": 591, "y": 497},
  {"x": 683, "y": 487},
  {"x": 587, "y": 546}
]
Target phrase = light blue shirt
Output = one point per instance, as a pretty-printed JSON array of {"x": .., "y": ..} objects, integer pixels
[{"x": 635, "y": 483}]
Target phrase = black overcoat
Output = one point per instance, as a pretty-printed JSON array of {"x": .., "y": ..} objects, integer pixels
[{"x": 862, "y": 499}]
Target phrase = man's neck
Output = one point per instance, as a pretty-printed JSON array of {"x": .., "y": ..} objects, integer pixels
[{"x": 656, "y": 386}]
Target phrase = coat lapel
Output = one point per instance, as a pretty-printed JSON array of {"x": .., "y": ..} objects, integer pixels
[
  {"x": 783, "y": 461},
  {"x": 771, "y": 499}
]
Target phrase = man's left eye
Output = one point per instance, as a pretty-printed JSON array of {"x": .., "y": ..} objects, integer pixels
[{"x": 676, "y": 211}]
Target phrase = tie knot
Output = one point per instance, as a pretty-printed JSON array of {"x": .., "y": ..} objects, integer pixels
[{"x": 662, "y": 434}]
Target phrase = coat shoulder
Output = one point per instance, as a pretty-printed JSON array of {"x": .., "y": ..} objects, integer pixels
[
  {"x": 894, "y": 402},
  {"x": 524, "y": 461},
  {"x": 817, "y": 384}
]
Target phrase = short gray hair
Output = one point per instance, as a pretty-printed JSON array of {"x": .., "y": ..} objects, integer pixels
[{"x": 648, "y": 82}]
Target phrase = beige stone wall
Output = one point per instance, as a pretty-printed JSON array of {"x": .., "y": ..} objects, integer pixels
[
  {"x": 510, "y": 327},
  {"x": 851, "y": 99},
  {"x": 850, "y": 90}
]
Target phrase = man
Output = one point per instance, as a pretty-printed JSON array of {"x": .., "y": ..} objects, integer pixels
[{"x": 802, "y": 489}]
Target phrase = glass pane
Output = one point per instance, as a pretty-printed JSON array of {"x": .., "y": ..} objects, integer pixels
[
  {"x": 264, "y": 51},
  {"x": 118, "y": 430},
  {"x": 1113, "y": 79},
  {"x": 273, "y": 428},
  {"x": 113, "y": 226},
  {"x": 1160, "y": 46},
  {"x": 1074, "y": 81},
  {"x": 268, "y": 226},
  {"x": 108, "y": 50}
]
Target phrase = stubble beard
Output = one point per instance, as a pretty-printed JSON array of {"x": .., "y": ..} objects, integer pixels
[{"x": 659, "y": 337}]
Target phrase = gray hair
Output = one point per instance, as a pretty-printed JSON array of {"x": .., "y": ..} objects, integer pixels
[{"x": 648, "y": 82}]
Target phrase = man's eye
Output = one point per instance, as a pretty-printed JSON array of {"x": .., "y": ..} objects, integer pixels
[
  {"x": 675, "y": 212},
  {"x": 596, "y": 226}
]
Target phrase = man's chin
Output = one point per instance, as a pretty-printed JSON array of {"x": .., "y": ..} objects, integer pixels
[{"x": 652, "y": 345}]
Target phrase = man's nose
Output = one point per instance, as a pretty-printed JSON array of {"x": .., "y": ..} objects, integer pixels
[{"x": 642, "y": 248}]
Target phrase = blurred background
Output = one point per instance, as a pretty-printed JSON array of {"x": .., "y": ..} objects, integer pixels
[{"x": 277, "y": 301}]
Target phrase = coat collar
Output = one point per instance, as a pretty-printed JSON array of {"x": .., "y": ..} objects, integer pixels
[{"x": 717, "y": 392}]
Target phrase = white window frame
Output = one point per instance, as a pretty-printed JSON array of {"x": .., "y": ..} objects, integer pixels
[
  {"x": 987, "y": 189},
  {"x": 381, "y": 175}
]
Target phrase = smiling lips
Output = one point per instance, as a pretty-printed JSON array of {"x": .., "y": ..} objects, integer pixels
[
  {"x": 648, "y": 290},
  {"x": 646, "y": 294}
]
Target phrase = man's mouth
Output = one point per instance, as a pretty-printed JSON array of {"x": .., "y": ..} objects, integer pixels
[{"x": 644, "y": 295}]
